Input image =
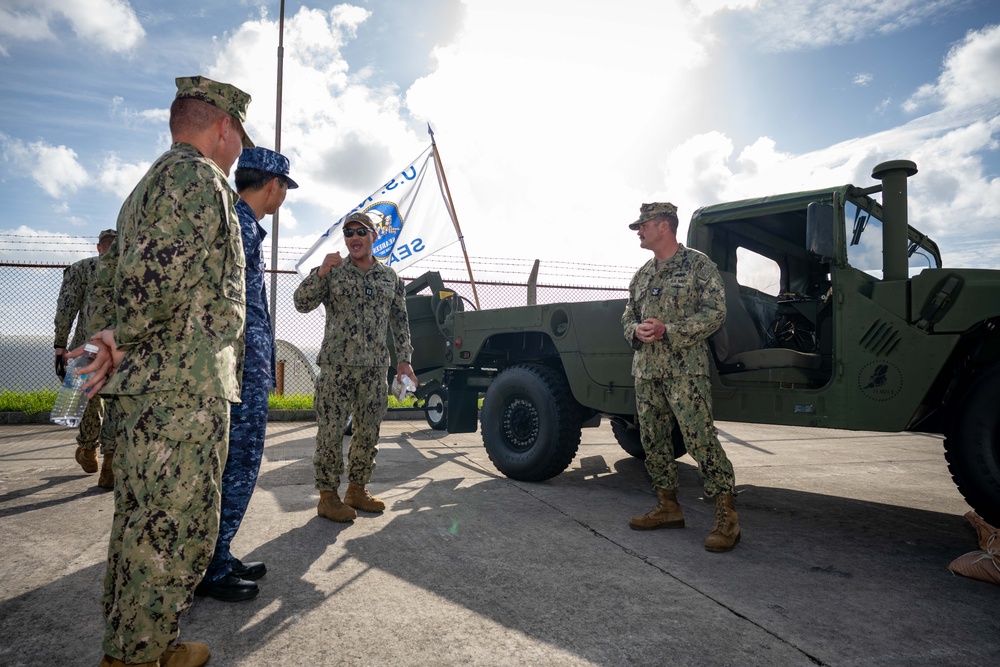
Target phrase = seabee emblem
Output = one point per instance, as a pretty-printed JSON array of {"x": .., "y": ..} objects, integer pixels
[{"x": 388, "y": 224}]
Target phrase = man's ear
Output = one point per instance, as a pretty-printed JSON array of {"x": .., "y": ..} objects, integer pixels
[
  {"x": 273, "y": 187},
  {"x": 221, "y": 126}
]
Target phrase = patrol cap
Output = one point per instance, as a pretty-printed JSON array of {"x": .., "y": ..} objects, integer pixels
[
  {"x": 363, "y": 218},
  {"x": 227, "y": 97},
  {"x": 654, "y": 210},
  {"x": 107, "y": 234},
  {"x": 266, "y": 160}
]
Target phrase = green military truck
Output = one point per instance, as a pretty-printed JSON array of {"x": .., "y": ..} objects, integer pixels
[{"x": 839, "y": 315}]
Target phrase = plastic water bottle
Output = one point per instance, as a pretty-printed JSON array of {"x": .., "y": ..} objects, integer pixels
[
  {"x": 401, "y": 386},
  {"x": 71, "y": 400}
]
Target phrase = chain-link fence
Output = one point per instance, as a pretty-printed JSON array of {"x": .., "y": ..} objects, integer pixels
[{"x": 28, "y": 294}]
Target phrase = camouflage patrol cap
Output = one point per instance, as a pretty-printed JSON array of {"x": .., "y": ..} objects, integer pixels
[
  {"x": 652, "y": 211},
  {"x": 267, "y": 161},
  {"x": 363, "y": 218},
  {"x": 225, "y": 96},
  {"x": 107, "y": 234}
]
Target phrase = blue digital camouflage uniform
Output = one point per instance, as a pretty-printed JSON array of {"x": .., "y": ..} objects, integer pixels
[
  {"x": 248, "y": 419},
  {"x": 76, "y": 301},
  {"x": 176, "y": 273},
  {"x": 672, "y": 375},
  {"x": 353, "y": 363}
]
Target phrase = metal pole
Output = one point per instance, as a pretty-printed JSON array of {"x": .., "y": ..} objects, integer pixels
[
  {"x": 277, "y": 148},
  {"x": 454, "y": 215}
]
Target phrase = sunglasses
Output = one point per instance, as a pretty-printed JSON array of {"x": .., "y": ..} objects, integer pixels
[{"x": 360, "y": 231}]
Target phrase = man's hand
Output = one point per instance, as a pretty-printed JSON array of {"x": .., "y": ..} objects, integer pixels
[
  {"x": 331, "y": 261},
  {"x": 105, "y": 363},
  {"x": 61, "y": 362},
  {"x": 650, "y": 330}
]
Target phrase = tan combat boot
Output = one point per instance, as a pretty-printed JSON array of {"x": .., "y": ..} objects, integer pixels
[
  {"x": 667, "y": 514},
  {"x": 726, "y": 531},
  {"x": 106, "y": 480},
  {"x": 87, "y": 458},
  {"x": 185, "y": 654},
  {"x": 331, "y": 508},
  {"x": 358, "y": 497}
]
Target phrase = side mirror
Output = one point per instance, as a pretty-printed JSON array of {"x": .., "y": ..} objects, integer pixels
[{"x": 819, "y": 230}]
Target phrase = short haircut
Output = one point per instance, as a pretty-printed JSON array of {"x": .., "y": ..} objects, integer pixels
[
  {"x": 671, "y": 219},
  {"x": 253, "y": 179},
  {"x": 193, "y": 115}
]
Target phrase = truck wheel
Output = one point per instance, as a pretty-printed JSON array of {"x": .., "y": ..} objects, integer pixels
[
  {"x": 972, "y": 448},
  {"x": 530, "y": 423},
  {"x": 436, "y": 410},
  {"x": 629, "y": 439}
]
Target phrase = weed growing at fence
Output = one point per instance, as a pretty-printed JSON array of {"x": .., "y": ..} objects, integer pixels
[
  {"x": 290, "y": 402},
  {"x": 42, "y": 400},
  {"x": 28, "y": 402}
]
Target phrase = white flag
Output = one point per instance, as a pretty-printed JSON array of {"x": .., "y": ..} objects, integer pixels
[{"x": 411, "y": 215}]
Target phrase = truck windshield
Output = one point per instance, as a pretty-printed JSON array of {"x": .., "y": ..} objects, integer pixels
[
  {"x": 864, "y": 240},
  {"x": 864, "y": 244}
]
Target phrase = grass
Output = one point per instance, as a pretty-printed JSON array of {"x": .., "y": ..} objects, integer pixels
[
  {"x": 28, "y": 402},
  {"x": 290, "y": 402},
  {"x": 305, "y": 402},
  {"x": 33, "y": 402}
]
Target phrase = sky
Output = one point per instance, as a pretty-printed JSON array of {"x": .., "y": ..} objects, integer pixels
[{"x": 554, "y": 119}]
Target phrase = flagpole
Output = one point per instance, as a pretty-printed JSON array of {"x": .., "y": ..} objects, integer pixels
[
  {"x": 454, "y": 215},
  {"x": 277, "y": 149}
]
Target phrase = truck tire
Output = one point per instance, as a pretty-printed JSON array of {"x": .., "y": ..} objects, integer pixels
[
  {"x": 972, "y": 447},
  {"x": 530, "y": 422},
  {"x": 436, "y": 409},
  {"x": 629, "y": 439}
]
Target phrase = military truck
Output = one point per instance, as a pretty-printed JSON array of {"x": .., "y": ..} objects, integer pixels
[{"x": 839, "y": 315}]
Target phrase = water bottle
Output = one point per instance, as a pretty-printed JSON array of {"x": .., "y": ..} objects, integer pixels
[
  {"x": 401, "y": 386},
  {"x": 71, "y": 400}
]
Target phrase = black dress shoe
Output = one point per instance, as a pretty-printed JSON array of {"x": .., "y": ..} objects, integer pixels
[
  {"x": 248, "y": 571},
  {"x": 228, "y": 589}
]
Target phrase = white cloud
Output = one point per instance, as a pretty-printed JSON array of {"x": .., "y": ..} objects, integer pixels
[
  {"x": 862, "y": 79},
  {"x": 109, "y": 25},
  {"x": 157, "y": 117},
  {"x": 118, "y": 177},
  {"x": 560, "y": 112},
  {"x": 15, "y": 25},
  {"x": 55, "y": 169},
  {"x": 342, "y": 136},
  {"x": 709, "y": 7},
  {"x": 950, "y": 196},
  {"x": 970, "y": 75},
  {"x": 799, "y": 25}
]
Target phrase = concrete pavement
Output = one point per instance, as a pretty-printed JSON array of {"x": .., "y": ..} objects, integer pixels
[{"x": 846, "y": 540}]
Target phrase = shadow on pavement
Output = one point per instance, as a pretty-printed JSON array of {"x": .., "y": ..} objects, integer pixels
[{"x": 817, "y": 578}]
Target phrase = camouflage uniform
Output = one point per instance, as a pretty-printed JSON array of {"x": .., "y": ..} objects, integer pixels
[
  {"x": 176, "y": 275},
  {"x": 76, "y": 297},
  {"x": 101, "y": 316},
  {"x": 672, "y": 375},
  {"x": 353, "y": 362},
  {"x": 249, "y": 418}
]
